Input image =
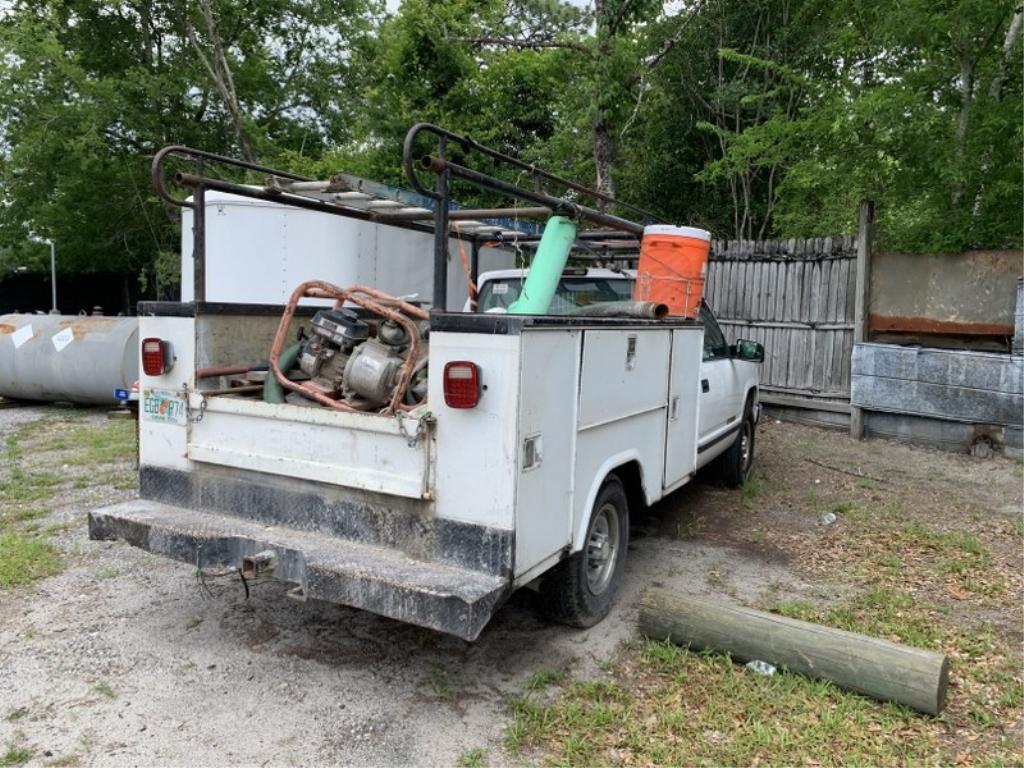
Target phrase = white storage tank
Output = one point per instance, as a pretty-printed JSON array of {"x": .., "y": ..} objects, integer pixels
[
  {"x": 70, "y": 358},
  {"x": 258, "y": 251}
]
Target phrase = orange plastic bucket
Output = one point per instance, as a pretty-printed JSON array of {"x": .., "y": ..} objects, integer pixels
[{"x": 673, "y": 262}]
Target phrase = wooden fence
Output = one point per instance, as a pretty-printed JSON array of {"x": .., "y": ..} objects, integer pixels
[{"x": 796, "y": 297}]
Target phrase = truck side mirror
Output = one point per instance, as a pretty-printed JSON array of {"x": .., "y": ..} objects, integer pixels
[{"x": 749, "y": 350}]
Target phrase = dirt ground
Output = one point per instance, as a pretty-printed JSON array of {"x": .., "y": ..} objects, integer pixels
[{"x": 124, "y": 658}]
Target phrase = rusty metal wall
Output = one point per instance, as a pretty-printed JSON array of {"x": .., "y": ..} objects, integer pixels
[
  {"x": 949, "y": 300},
  {"x": 796, "y": 297}
]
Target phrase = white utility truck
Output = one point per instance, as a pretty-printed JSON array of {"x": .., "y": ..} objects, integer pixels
[{"x": 422, "y": 465}]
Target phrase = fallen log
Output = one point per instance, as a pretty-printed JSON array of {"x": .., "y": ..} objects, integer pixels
[{"x": 876, "y": 668}]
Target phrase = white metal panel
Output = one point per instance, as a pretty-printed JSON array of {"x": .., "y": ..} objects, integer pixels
[
  {"x": 549, "y": 383},
  {"x": 476, "y": 464},
  {"x": 355, "y": 450},
  {"x": 625, "y": 372},
  {"x": 164, "y": 444},
  {"x": 257, "y": 252},
  {"x": 683, "y": 400},
  {"x": 716, "y": 378},
  {"x": 601, "y": 449}
]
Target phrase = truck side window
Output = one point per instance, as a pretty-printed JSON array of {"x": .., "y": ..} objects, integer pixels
[{"x": 715, "y": 345}]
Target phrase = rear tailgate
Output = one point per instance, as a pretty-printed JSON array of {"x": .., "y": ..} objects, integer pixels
[{"x": 383, "y": 454}]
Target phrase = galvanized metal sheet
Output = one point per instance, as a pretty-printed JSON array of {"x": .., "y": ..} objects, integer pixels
[{"x": 974, "y": 387}]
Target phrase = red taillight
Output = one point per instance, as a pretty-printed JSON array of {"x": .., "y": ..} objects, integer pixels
[
  {"x": 156, "y": 357},
  {"x": 461, "y": 384}
]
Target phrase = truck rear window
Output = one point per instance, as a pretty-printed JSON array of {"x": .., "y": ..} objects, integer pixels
[{"x": 572, "y": 292}]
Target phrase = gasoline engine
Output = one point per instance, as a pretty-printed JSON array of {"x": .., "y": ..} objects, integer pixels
[{"x": 360, "y": 361}]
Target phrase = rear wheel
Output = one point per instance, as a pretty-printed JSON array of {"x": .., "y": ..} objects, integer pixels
[{"x": 579, "y": 591}]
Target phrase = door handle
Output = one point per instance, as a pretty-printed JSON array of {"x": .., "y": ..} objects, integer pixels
[{"x": 705, "y": 386}]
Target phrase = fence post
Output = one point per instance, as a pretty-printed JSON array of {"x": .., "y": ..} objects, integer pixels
[{"x": 865, "y": 235}]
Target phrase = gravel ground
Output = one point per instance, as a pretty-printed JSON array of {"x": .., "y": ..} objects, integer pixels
[{"x": 124, "y": 659}]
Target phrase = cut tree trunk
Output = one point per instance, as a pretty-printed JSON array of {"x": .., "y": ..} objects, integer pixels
[{"x": 876, "y": 668}]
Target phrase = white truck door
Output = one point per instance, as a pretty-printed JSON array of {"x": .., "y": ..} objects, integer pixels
[
  {"x": 718, "y": 383},
  {"x": 683, "y": 402}
]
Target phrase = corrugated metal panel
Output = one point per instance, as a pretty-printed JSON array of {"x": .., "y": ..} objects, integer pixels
[{"x": 974, "y": 387}]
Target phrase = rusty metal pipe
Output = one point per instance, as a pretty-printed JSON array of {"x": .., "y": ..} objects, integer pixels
[
  {"x": 221, "y": 370},
  {"x": 386, "y": 298}
]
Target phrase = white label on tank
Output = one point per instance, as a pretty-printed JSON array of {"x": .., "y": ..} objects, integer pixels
[
  {"x": 22, "y": 335},
  {"x": 62, "y": 339}
]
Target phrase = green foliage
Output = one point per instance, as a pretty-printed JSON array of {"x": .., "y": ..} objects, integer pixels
[
  {"x": 89, "y": 91},
  {"x": 754, "y": 118}
]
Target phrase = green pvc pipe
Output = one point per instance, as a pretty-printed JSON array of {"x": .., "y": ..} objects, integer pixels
[
  {"x": 273, "y": 392},
  {"x": 546, "y": 268}
]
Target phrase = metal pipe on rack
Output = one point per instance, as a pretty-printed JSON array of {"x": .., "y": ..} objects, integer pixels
[
  {"x": 444, "y": 169},
  {"x": 440, "y": 297},
  {"x": 285, "y": 198},
  {"x": 467, "y": 144},
  {"x": 461, "y": 214}
]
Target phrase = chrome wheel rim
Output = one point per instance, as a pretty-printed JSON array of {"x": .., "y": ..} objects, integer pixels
[{"x": 602, "y": 548}]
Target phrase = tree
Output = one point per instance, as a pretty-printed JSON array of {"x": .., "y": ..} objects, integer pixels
[
  {"x": 90, "y": 90},
  {"x": 914, "y": 106}
]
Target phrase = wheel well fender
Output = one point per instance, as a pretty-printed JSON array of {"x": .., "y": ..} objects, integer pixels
[
  {"x": 750, "y": 399},
  {"x": 630, "y": 471}
]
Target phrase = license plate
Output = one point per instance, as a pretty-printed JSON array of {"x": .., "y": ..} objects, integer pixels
[{"x": 163, "y": 405}]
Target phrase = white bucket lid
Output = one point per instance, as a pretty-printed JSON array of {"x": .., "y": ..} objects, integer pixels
[{"x": 673, "y": 231}]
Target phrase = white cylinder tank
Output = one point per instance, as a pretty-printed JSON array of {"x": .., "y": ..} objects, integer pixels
[{"x": 71, "y": 358}]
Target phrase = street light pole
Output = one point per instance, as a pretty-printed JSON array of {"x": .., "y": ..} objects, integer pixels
[
  {"x": 53, "y": 267},
  {"x": 53, "y": 275}
]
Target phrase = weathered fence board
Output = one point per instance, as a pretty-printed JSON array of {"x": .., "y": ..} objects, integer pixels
[{"x": 796, "y": 297}]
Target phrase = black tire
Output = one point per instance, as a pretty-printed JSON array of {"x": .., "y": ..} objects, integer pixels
[
  {"x": 579, "y": 591},
  {"x": 735, "y": 464}
]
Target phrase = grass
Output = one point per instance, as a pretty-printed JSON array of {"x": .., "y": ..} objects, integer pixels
[
  {"x": 753, "y": 488},
  {"x": 439, "y": 684},
  {"x": 669, "y": 706},
  {"x": 543, "y": 678},
  {"x": 15, "y": 756},
  {"x": 41, "y": 459},
  {"x": 103, "y": 688},
  {"x": 20, "y": 486},
  {"x": 473, "y": 758},
  {"x": 25, "y": 558},
  {"x": 91, "y": 444}
]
